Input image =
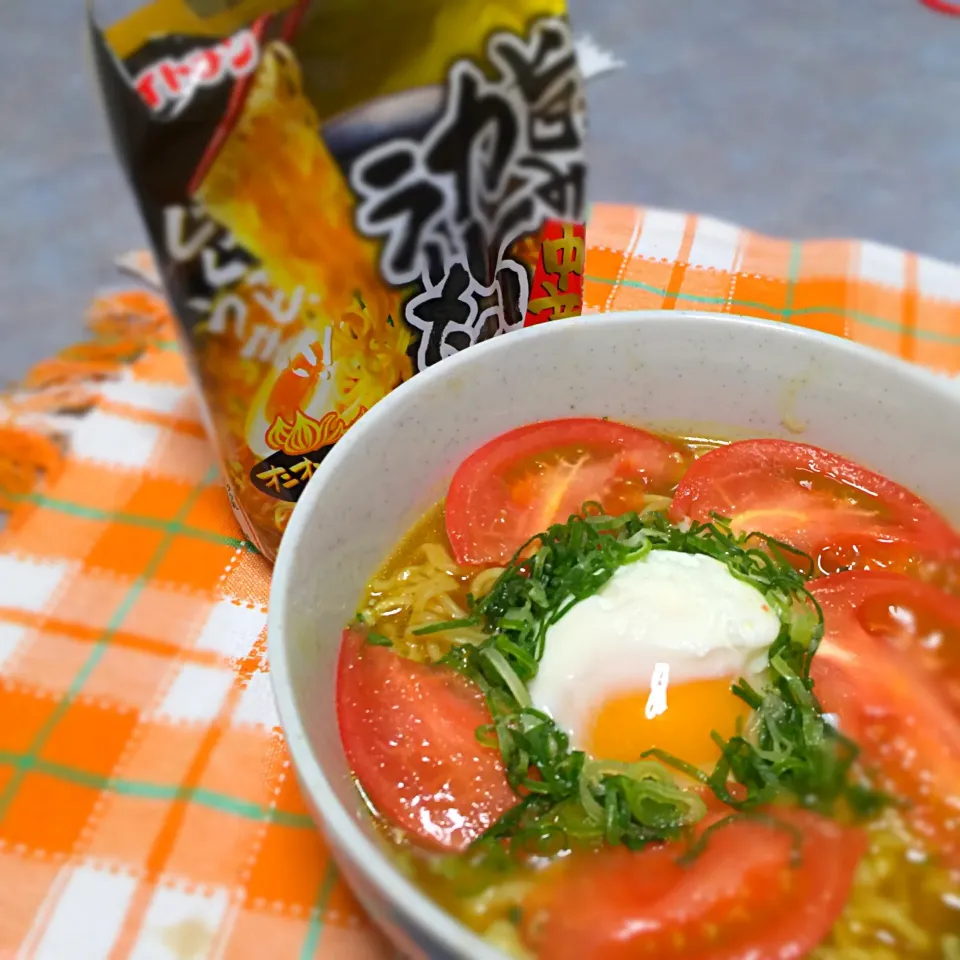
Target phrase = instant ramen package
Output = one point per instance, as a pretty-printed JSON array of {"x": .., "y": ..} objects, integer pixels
[{"x": 339, "y": 194}]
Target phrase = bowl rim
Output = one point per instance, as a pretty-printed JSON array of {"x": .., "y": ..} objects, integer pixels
[{"x": 366, "y": 856}]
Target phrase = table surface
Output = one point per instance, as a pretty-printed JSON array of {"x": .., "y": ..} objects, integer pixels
[{"x": 798, "y": 119}]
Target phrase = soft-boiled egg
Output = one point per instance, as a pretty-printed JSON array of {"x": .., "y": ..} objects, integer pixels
[{"x": 648, "y": 661}]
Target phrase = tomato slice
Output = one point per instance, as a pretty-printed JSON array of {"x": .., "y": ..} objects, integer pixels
[
  {"x": 518, "y": 484},
  {"x": 742, "y": 898},
  {"x": 409, "y": 733},
  {"x": 840, "y": 513},
  {"x": 889, "y": 670}
]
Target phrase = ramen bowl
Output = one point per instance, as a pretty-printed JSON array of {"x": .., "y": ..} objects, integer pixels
[{"x": 681, "y": 372}]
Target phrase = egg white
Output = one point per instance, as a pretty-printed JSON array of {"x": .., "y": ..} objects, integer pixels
[{"x": 666, "y": 619}]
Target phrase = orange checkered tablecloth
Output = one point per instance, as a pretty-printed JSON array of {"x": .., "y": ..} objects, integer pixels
[{"x": 147, "y": 806}]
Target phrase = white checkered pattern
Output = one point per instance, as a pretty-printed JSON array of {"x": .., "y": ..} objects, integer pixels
[
  {"x": 716, "y": 246},
  {"x": 11, "y": 636},
  {"x": 116, "y": 441},
  {"x": 29, "y": 584},
  {"x": 196, "y": 694},
  {"x": 661, "y": 235},
  {"x": 152, "y": 397},
  {"x": 232, "y": 629},
  {"x": 938, "y": 280},
  {"x": 179, "y": 925},
  {"x": 882, "y": 265},
  {"x": 257, "y": 706},
  {"x": 87, "y": 916}
]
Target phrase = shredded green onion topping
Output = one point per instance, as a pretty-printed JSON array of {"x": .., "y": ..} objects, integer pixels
[{"x": 787, "y": 751}]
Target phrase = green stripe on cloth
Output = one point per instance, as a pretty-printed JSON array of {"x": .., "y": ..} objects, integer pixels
[
  {"x": 31, "y": 757},
  {"x": 871, "y": 321},
  {"x": 130, "y": 519},
  {"x": 315, "y": 927},
  {"x": 793, "y": 271},
  {"x": 224, "y": 803}
]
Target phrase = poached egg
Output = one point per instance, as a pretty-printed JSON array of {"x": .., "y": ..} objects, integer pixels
[{"x": 648, "y": 661}]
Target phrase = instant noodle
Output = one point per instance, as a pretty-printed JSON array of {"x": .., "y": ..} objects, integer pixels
[
  {"x": 341, "y": 194},
  {"x": 633, "y": 728}
]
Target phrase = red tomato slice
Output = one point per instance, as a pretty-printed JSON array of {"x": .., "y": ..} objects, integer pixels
[
  {"x": 741, "y": 899},
  {"x": 518, "y": 484},
  {"x": 888, "y": 669},
  {"x": 409, "y": 733},
  {"x": 840, "y": 513},
  {"x": 912, "y": 618}
]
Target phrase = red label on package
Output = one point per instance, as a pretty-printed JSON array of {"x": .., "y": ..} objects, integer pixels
[{"x": 558, "y": 280}]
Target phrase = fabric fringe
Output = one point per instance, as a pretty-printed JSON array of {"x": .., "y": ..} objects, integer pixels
[{"x": 123, "y": 326}]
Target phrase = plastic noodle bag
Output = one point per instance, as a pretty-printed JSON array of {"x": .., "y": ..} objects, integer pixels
[{"x": 340, "y": 194}]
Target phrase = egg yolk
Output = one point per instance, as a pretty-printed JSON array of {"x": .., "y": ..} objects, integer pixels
[{"x": 623, "y": 730}]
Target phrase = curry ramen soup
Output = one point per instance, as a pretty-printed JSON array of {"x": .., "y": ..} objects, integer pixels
[{"x": 629, "y": 695}]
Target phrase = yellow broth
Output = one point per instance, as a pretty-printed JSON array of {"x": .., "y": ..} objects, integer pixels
[{"x": 903, "y": 903}]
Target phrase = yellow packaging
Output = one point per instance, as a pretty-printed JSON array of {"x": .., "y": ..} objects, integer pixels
[{"x": 340, "y": 194}]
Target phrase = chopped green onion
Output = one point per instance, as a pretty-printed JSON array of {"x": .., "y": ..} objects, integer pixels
[
  {"x": 514, "y": 684},
  {"x": 444, "y": 626},
  {"x": 787, "y": 751}
]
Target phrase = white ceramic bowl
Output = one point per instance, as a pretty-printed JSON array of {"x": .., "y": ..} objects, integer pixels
[{"x": 725, "y": 375}]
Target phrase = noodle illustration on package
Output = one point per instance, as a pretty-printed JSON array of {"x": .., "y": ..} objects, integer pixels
[{"x": 341, "y": 194}]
